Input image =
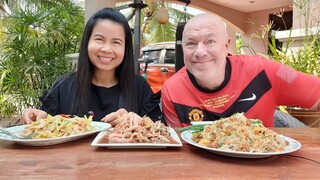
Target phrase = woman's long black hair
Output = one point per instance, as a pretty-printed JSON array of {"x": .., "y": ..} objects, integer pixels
[{"x": 124, "y": 72}]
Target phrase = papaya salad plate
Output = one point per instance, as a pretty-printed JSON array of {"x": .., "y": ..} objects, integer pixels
[
  {"x": 53, "y": 130},
  {"x": 239, "y": 136}
]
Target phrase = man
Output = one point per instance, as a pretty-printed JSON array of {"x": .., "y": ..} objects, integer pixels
[{"x": 213, "y": 85}]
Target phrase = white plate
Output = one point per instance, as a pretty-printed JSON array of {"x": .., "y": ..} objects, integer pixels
[
  {"x": 99, "y": 126},
  {"x": 173, "y": 134},
  {"x": 293, "y": 146},
  {"x": 201, "y": 122}
]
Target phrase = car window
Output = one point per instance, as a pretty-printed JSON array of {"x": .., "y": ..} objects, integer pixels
[
  {"x": 170, "y": 56},
  {"x": 152, "y": 55}
]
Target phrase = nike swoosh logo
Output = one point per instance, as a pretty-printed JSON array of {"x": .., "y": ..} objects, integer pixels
[{"x": 249, "y": 99}]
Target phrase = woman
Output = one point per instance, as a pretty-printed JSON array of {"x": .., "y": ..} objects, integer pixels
[{"x": 105, "y": 80}]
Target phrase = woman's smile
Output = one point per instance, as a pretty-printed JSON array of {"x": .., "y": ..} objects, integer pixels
[{"x": 105, "y": 59}]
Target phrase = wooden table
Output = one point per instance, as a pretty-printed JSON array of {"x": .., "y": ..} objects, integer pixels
[{"x": 79, "y": 160}]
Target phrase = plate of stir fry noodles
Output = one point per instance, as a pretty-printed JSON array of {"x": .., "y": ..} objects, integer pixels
[
  {"x": 239, "y": 136},
  {"x": 134, "y": 131},
  {"x": 54, "y": 130}
]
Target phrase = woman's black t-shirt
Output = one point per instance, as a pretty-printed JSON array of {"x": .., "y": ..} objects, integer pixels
[{"x": 60, "y": 98}]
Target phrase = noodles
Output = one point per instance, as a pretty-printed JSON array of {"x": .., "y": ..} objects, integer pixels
[
  {"x": 135, "y": 129},
  {"x": 239, "y": 133},
  {"x": 57, "y": 126}
]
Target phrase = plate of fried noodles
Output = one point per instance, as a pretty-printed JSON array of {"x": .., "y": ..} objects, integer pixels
[
  {"x": 54, "y": 130},
  {"x": 239, "y": 136}
]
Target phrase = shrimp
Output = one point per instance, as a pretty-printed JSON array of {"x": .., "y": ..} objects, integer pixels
[{"x": 42, "y": 124}]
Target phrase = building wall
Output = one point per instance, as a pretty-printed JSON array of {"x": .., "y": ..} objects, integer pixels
[
  {"x": 308, "y": 16},
  {"x": 306, "y": 22},
  {"x": 237, "y": 22},
  {"x": 258, "y": 19},
  {"x": 91, "y": 6}
]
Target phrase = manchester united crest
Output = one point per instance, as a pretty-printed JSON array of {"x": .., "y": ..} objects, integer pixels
[{"x": 196, "y": 115}]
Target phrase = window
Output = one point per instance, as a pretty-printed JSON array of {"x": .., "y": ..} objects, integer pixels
[{"x": 170, "y": 56}]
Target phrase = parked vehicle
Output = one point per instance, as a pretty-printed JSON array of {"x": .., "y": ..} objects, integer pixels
[{"x": 157, "y": 63}]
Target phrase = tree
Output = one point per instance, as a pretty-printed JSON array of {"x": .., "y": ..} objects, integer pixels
[
  {"x": 37, "y": 34},
  {"x": 151, "y": 30}
]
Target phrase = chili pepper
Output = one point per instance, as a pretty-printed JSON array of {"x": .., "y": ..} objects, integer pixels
[
  {"x": 91, "y": 113},
  {"x": 64, "y": 115}
]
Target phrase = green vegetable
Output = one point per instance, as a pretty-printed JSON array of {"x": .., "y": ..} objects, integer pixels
[
  {"x": 193, "y": 128},
  {"x": 256, "y": 122}
]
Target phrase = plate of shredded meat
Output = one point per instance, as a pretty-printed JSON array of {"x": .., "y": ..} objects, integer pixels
[{"x": 134, "y": 131}]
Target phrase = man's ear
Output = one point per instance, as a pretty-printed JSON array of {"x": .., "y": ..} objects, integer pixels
[{"x": 227, "y": 44}]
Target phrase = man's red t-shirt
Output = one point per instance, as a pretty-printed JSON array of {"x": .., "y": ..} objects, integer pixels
[{"x": 255, "y": 86}]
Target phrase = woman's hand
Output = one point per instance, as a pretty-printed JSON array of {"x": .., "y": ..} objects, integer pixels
[
  {"x": 29, "y": 115},
  {"x": 112, "y": 118}
]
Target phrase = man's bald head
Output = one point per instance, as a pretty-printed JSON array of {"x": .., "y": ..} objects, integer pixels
[{"x": 206, "y": 20}]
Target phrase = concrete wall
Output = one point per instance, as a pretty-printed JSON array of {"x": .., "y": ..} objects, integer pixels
[
  {"x": 236, "y": 21},
  {"x": 306, "y": 22},
  {"x": 91, "y": 6},
  {"x": 308, "y": 16},
  {"x": 258, "y": 19}
]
